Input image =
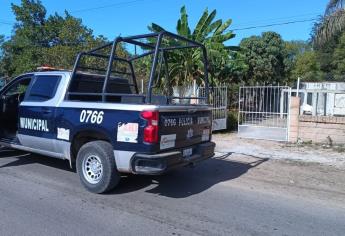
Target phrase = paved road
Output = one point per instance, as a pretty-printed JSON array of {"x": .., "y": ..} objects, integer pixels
[{"x": 41, "y": 196}]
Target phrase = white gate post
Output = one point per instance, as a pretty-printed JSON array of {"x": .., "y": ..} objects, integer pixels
[
  {"x": 281, "y": 103},
  {"x": 239, "y": 108}
]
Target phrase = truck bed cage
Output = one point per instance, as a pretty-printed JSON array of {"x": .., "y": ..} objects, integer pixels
[{"x": 153, "y": 42}]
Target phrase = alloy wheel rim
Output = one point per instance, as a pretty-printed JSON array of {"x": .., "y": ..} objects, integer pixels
[{"x": 92, "y": 169}]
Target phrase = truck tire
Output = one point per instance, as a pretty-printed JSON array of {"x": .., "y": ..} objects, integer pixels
[{"x": 96, "y": 167}]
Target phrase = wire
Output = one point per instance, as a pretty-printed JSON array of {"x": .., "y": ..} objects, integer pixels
[
  {"x": 281, "y": 23},
  {"x": 274, "y": 24},
  {"x": 274, "y": 20}
]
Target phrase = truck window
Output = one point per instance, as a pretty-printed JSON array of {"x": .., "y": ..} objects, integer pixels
[
  {"x": 88, "y": 84},
  {"x": 18, "y": 88},
  {"x": 43, "y": 88}
]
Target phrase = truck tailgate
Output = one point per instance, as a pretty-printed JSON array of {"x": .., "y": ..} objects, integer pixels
[{"x": 182, "y": 128}]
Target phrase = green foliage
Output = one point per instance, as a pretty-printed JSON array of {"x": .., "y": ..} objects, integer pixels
[
  {"x": 331, "y": 24},
  {"x": 338, "y": 59},
  {"x": 307, "y": 67},
  {"x": 186, "y": 65},
  {"x": 265, "y": 56},
  {"x": 232, "y": 121},
  {"x": 2, "y": 40},
  {"x": 22, "y": 88},
  {"x": 39, "y": 39},
  {"x": 295, "y": 48},
  {"x": 330, "y": 50},
  {"x": 235, "y": 70}
]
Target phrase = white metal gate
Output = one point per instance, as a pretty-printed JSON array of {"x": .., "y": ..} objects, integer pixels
[
  {"x": 219, "y": 102},
  {"x": 264, "y": 112}
]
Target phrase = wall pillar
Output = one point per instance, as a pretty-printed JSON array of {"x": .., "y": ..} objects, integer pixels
[{"x": 294, "y": 119}]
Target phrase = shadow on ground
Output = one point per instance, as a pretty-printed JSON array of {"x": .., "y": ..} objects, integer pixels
[
  {"x": 184, "y": 182},
  {"x": 179, "y": 183},
  {"x": 20, "y": 158}
]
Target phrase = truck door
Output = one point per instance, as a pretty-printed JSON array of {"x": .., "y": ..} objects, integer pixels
[
  {"x": 37, "y": 126},
  {"x": 10, "y": 98}
]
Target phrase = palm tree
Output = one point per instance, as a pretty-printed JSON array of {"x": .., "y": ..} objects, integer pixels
[
  {"x": 186, "y": 65},
  {"x": 332, "y": 23}
]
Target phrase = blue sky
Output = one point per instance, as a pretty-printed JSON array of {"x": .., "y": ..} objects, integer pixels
[{"x": 128, "y": 17}]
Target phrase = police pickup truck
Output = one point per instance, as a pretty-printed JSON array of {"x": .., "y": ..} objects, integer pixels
[{"x": 95, "y": 117}]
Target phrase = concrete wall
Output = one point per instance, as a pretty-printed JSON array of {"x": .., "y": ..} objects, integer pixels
[{"x": 318, "y": 129}]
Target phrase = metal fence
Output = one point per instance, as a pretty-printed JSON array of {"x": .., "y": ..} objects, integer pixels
[
  {"x": 219, "y": 102},
  {"x": 264, "y": 112}
]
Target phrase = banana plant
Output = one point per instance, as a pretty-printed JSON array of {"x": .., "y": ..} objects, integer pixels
[{"x": 186, "y": 65}]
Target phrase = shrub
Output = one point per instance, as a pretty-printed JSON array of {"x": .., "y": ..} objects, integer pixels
[{"x": 232, "y": 121}]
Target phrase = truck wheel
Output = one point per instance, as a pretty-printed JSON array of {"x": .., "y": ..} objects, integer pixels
[{"x": 96, "y": 167}]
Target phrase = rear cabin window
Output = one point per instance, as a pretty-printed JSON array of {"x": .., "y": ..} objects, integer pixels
[
  {"x": 43, "y": 88},
  {"x": 90, "y": 86},
  {"x": 88, "y": 81}
]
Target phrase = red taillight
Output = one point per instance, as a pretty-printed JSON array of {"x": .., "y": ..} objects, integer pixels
[{"x": 151, "y": 130}]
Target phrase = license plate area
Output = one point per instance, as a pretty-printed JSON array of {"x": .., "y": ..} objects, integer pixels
[{"x": 187, "y": 152}]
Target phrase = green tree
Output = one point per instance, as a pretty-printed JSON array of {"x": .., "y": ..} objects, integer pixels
[
  {"x": 307, "y": 67},
  {"x": 39, "y": 39},
  {"x": 185, "y": 65},
  {"x": 235, "y": 70},
  {"x": 293, "y": 51},
  {"x": 265, "y": 56},
  {"x": 21, "y": 52},
  {"x": 296, "y": 47},
  {"x": 66, "y": 36},
  {"x": 338, "y": 59}
]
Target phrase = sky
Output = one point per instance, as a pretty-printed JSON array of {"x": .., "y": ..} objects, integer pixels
[{"x": 129, "y": 17}]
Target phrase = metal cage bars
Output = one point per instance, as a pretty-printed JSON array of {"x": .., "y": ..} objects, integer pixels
[{"x": 157, "y": 49}]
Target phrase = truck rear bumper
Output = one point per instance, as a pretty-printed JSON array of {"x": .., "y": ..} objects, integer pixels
[{"x": 155, "y": 164}]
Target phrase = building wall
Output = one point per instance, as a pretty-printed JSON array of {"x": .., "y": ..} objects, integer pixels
[
  {"x": 323, "y": 85},
  {"x": 326, "y": 98}
]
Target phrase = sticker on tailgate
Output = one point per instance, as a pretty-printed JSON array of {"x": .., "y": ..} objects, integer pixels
[
  {"x": 127, "y": 132},
  {"x": 167, "y": 141}
]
